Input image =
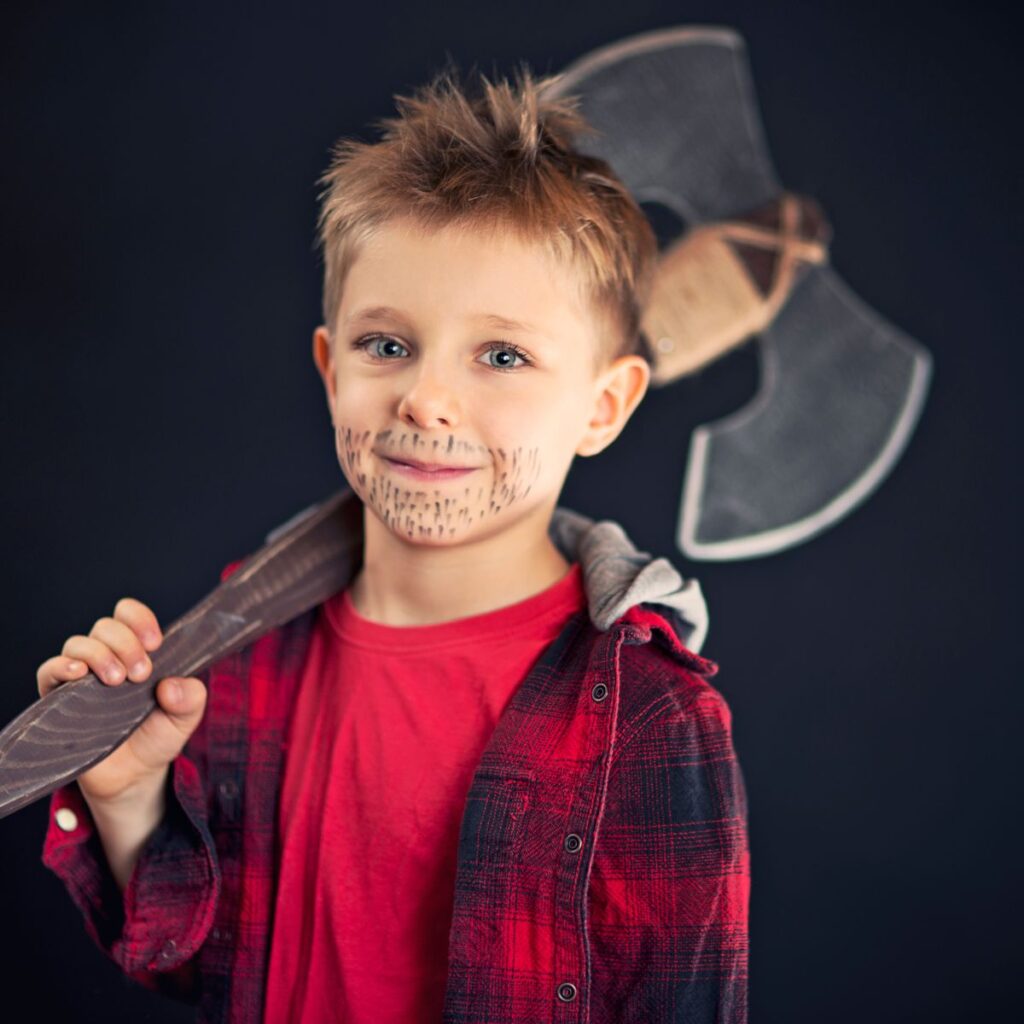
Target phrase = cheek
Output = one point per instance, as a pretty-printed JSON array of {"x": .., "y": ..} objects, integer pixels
[
  {"x": 352, "y": 404},
  {"x": 547, "y": 432},
  {"x": 352, "y": 447}
]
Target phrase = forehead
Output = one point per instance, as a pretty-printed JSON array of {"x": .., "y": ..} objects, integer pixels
[{"x": 466, "y": 271}]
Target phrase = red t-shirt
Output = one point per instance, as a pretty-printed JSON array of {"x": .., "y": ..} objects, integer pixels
[{"x": 389, "y": 726}]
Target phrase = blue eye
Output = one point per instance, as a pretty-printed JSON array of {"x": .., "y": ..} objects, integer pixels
[
  {"x": 506, "y": 348},
  {"x": 375, "y": 345}
]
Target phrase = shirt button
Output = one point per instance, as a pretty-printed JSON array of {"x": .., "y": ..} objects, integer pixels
[
  {"x": 599, "y": 692},
  {"x": 567, "y": 991},
  {"x": 170, "y": 948},
  {"x": 573, "y": 842},
  {"x": 228, "y": 789},
  {"x": 66, "y": 819}
]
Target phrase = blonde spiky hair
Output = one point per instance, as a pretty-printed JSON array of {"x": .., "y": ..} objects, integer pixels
[{"x": 501, "y": 158}]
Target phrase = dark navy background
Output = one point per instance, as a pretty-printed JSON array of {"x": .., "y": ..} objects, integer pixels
[{"x": 160, "y": 412}]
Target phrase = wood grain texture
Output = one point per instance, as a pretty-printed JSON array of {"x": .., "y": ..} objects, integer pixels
[{"x": 76, "y": 725}]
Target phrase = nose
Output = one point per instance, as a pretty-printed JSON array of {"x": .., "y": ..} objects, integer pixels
[{"x": 429, "y": 402}]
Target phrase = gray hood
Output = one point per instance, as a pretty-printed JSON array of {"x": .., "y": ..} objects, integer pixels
[{"x": 617, "y": 576}]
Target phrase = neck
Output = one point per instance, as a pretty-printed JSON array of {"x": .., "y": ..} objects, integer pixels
[{"x": 405, "y": 584}]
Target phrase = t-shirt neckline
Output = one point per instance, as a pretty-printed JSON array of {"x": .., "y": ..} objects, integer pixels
[{"x": 560, "y": 599}]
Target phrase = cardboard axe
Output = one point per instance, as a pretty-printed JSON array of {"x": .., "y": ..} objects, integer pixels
[
  {"x": 841, "y": 389},
  {"x": 840, "y": 393}
]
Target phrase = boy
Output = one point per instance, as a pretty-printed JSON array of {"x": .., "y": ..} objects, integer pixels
[{"x": 487, "y": 780}]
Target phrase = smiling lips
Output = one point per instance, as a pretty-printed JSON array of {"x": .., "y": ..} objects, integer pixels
[{"x": 428, "y": 470}]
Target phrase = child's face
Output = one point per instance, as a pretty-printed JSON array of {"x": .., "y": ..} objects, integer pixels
[{"x": 426, "y": 366}]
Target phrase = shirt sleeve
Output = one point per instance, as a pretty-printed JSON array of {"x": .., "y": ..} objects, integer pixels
[
  {"x": 670, "y": 882},
  {"x": 154, "y": 928}
]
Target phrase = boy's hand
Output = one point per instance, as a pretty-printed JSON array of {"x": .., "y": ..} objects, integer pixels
[{"x": 115, "y": 650}]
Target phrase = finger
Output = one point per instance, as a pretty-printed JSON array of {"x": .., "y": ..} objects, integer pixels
[
  {"x": 164, "y": 732},
  {"x": 142, "y": 620},
  {"x": 56, "y": 670},
  {"x": 126, "y": 646},
  {"x": 98, "y": 656},
  {"x": 183, "y": 699}
]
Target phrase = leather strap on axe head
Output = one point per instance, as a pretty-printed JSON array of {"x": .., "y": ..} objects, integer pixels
[{"x": 725, "y": 281}]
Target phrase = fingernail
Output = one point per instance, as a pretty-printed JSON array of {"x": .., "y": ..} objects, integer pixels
[
  {"x": 114, "y": 675},
  {"x": 176, "y": 692},
  {"x": 75, "y": 666},
  {"x": 138, "y": 668}
]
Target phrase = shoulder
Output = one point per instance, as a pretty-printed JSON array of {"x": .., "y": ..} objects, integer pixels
[
  {"x": 676, "y": 789},
  {"x": 659, "y": 676}
]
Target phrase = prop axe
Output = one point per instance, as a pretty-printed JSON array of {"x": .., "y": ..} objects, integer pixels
[
  {"x": 840, "y": 389},
  {"x": 832, "y": 369}
]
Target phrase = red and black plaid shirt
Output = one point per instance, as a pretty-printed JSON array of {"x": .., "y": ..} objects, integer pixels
[{"x": 603, "y": 867}]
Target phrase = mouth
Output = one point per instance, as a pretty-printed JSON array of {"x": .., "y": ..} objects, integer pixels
[{"x": 428, "y": 470}]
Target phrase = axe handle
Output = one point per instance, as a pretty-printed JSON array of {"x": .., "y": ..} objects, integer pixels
[{"x": 81, "y": 722}]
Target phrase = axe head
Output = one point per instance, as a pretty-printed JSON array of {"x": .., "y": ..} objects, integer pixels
[{"x": 841, "y": 389}]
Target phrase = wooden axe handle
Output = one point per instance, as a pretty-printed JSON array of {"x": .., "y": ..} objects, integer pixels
[{"x": 81, "y": 722}]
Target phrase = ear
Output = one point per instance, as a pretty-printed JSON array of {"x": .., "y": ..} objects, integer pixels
[
  {"x": 618, "y": 391},
  {"x": 323, "y": 356}
]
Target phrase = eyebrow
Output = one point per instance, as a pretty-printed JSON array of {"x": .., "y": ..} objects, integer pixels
[{"x": 379, "y": 314}]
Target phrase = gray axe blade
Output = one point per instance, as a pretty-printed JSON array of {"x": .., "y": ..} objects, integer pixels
[{"x": 841, "y": 389}]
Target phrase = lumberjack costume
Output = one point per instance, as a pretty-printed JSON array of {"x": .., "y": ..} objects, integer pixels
[{"x": 601, "y": 864}]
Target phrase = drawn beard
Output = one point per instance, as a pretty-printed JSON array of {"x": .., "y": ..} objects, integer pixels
[{"x": 418, "y": 511}]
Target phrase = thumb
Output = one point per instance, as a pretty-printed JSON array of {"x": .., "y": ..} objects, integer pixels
[{"x": 183, "y": 700}]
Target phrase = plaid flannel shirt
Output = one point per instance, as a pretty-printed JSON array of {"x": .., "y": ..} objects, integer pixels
[{"x": 603, "y": 866}]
